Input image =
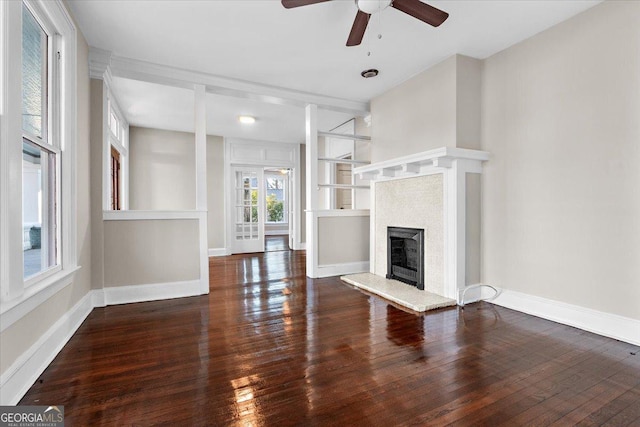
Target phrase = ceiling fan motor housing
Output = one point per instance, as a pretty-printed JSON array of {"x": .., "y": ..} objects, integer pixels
[{"x": 372, "y": 6}]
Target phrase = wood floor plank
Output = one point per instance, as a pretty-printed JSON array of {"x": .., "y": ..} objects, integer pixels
[{"x": 270, "y": 347}]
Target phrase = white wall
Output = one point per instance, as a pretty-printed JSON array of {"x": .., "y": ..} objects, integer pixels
[
  {"x": 303, "y": 193},
  {"x": 561, "y": 198}
]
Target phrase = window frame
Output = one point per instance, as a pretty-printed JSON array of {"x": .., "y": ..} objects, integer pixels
[
  {"x": 119, "y": 141},
  {"x": 50, "y": 139},
  {"x": 17, "y": 295}
]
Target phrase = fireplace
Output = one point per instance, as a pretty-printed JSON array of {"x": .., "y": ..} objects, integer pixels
[{"x": 405, "y": 255}]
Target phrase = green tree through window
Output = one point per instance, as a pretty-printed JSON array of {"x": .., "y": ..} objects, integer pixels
[{"x": 275, "y": 209}]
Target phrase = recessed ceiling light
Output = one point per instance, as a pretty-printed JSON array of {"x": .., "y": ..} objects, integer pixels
[
  {"x": 247, "y": 120},
  {"x": 372, "y": 72}
]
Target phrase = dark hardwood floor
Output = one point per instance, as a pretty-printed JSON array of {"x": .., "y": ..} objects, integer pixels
[
  {"x": 270, "y": 347},
  {"x": 276, "y": 243}
]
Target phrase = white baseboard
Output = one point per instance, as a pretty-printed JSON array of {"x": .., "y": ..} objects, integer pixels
[
  {"x": 342, "y": 269},
  {"x": 601, "y": 323},
  {"x": 299, "y": 246},
  {"x": 218, "y": 252},
  {"x": 97, "y": 298},
  {"x": 21, "y": 375},
  {"x": 152, "y": 292}
]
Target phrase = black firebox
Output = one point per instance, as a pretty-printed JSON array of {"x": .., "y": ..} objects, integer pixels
[{"x": 405, "y": 255}]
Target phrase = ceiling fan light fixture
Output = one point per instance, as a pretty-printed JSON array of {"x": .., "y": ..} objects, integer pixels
[
  {"x": 373, "y": 6},
  {"x": 247, "y": 120},
  {"x": 367, "y": 74}
]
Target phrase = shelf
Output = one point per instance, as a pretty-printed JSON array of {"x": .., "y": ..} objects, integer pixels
[
  {"x": 343, "y": 186},
  {"x": 348, "y": 161},
  {"x": 343, "y": 136}
]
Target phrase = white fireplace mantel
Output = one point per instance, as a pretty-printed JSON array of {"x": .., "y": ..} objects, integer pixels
[
  {"x": 415, "y": 164},
  {"x": 454, "y": 164}
]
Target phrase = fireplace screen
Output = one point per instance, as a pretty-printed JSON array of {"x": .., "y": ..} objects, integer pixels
[{"x": 405, "y": 255}]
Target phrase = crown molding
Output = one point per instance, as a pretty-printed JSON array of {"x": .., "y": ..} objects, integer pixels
[{"x": 99, "y": 62}]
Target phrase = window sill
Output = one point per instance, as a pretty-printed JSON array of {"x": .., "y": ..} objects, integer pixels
[{"x": 33, "y": 296}]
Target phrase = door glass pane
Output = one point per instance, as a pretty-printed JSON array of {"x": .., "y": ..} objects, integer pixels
[
  {"x": 38, "y": 209},
  {"x": 34, "y": 75}
]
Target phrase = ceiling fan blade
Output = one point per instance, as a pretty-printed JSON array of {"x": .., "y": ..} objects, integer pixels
[
  {"x": 358, "y": 28},
  {"x": 421, "y": 11},
  {"x": 288, "y": 4}
]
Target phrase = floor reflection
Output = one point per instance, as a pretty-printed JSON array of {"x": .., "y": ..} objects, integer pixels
[
  {"x": 269, "y": 346},
  {"x": 405, "y": 329}
]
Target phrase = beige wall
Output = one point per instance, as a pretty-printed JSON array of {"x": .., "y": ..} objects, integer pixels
[
  {"x": 215, "y": 192},
  {"x": 96, "y": 153},
  {"x": 468, "y": 102},
  {"x": 151, "y": 251},
  {"x": 19, "y": 337},
  {"x": 473, "y": 244},
  {"x": 343, "y": 239},
  {"x": 162, "y": 175},
  {"x": 561, "y": 206},
  {"x": 418, "y": 115},
  {"x": 440, "y": 107},
  {"x": 161, "y": 169},
  {"x": 413, "y": 203}
]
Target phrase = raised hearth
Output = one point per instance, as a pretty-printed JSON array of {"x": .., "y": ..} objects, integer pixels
[{"x": 399, "y": 293}]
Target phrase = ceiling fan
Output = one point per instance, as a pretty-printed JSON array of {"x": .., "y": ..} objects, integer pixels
[{"x": 366, "y": 8}]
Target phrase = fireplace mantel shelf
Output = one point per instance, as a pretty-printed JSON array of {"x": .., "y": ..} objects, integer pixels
[{"x": 416, "y": 163}]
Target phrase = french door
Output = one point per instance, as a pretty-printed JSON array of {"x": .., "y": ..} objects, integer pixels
[{"x": 248, "y": 210}]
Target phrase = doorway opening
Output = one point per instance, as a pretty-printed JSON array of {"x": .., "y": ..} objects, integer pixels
[
  {"x": 277, "y": 209},
  {"x": 263, "y": 209}
]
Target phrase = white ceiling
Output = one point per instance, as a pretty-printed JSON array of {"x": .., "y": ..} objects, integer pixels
[
  {"x": 303, "y": 48},
  {"x": 165, "y": 107}
]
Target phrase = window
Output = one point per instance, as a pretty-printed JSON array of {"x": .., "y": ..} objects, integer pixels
[
  {"x": 40, "y": 201},
  {"x": 118, "y": 152},
  {"x": 38, "y": 155},
  {"x": 116, "y": 199},
  {"x": 276, "y": 197}
]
